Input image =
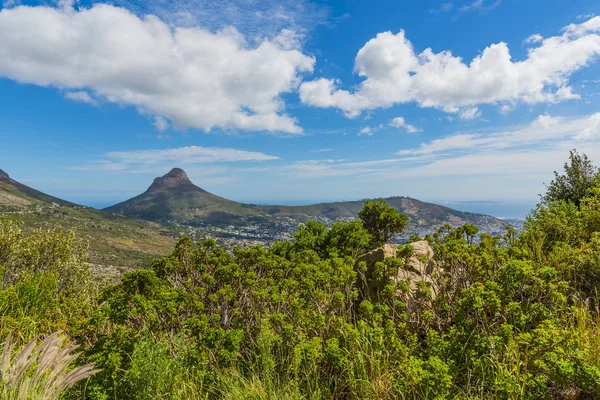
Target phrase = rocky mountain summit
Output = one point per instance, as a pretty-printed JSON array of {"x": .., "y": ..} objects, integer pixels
[{"x": 176, "y": 179}]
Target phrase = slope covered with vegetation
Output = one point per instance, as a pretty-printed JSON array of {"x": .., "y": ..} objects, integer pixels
[
  {"x": 116, "y": 243},
  {"x": 515, "y": 316}
]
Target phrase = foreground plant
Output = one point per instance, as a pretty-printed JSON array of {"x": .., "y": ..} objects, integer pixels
[{"x": 40, "y": 371}]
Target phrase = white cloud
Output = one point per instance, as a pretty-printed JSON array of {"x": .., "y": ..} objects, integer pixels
[
  {"x": 592, "y": 131},
  {"x": 443, "y": 8},
  {"x": 393, "y": 73},
  {"x": 366, "y": 131},
  {"x": 454, "y": 142},
  {"x": 81, "y": 96},
  {"x": 544, "y": 129},
  {"x": 189, "y": 155},
  {"x": 370, "y": 130},
  {"x": 161, "y": 124},
  {"x": 476, "y": 5},
  {"x": 589, "y": 26},
  {"x": 399, "y": 122},
  {"x": 142, "y": 159},
  {"x": 189, "y": 76},
  {"x": 526, "y": 152},
  {"x": 506, "y": 108},
  {"x": 479, "y": 6},
  {"x": 491, "y": 162},
  {"x": 586, "y": 16},
  {"x": 470, "y": 113},
  {"x": 535, "y": 38},
  {"x": 256, "y": 19},
  {"x": 546, "y": 121},
  {"x": 325, "y": 168}
]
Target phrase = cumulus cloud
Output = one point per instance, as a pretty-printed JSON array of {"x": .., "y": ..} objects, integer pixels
[
  {"x": 399, "y": 122},
  {"x": 190, "y": 155},
  {"x": 188, "y": 76},
  {"x": 393, "y": 73}
]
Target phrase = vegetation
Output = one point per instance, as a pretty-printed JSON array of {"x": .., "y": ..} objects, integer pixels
[
  {"x": 115, "y": 243},
  {"x": 381, "y": 220},
  {"x": 513, "y": 316},
  {"x": 580, "y": 176},
  {"x": 40, "y": 371}
]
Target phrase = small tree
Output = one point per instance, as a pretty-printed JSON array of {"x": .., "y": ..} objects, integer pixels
[
  {"x": 470, "y": 232},
  {"x": 580, "y": 176},
  {"x": 382, "y": 221}
]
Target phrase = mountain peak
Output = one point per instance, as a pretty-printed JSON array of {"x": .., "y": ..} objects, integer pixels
[
  {"x": 173, "y": 179},
  {"x": 4, "y": 176},
  {"x": 177, "y": 173}
]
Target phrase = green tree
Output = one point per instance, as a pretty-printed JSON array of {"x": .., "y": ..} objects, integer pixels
[
  {"x": 579, "y": 177},
  {"x": 382, "y": 221},
  {"x": 470, "y": 232}
]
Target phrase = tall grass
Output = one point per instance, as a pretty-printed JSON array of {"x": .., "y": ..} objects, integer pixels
[{"x": 40, "y": 371}]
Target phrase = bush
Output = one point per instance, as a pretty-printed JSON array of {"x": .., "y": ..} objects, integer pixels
[{"x": 508, "y": 316}]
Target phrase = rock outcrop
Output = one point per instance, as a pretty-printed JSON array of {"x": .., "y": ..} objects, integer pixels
[
  {"x": 173, "y": 180},
  {"x": 419, "y": 267}
]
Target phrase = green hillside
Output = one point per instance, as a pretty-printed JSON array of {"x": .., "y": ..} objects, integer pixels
[
  {"x": 116, "y": 243},
  {"x": 15, "y": 195}
]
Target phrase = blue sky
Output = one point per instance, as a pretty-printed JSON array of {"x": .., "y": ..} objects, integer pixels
[{"x": 298, "y": 101}]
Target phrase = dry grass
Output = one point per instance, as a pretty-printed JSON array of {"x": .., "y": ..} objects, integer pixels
[{"x": 40, "y": 371}]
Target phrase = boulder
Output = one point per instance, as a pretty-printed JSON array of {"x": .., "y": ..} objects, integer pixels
[
  {"x": 421, "y": 259},
  {"x": 377, "y": 255},
  {"x": 419, "y": 268}
]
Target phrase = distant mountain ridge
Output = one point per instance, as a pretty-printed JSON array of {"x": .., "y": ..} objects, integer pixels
[
  {"x": 174, "y": 198},
  {"x": 126, "y": 236}
]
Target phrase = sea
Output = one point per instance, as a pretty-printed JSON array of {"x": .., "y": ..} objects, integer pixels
[{"x": 498, "y": 209}]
